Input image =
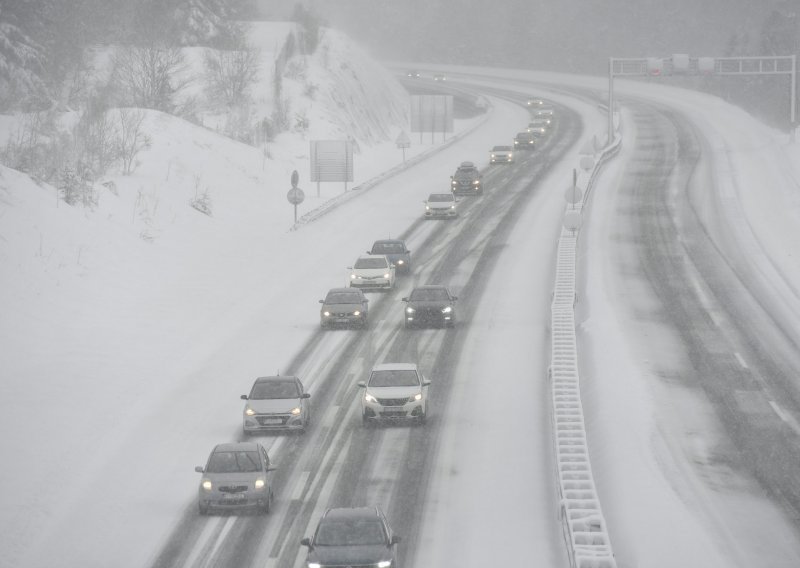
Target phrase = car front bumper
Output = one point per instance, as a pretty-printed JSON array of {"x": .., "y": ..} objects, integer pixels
[
  {"x": 376, "y": 283},
  {"x": 409, "y": 411},
  {"x": 267, "y": 422}
]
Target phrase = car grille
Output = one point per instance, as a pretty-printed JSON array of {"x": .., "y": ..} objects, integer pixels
[
  {"x": 392, "y": 401},
  {"x": 233, "y": 488},
  {"x": 271, "y": 419}
]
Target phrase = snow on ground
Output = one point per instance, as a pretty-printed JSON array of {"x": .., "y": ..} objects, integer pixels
[{"x": 129, "y": 332}]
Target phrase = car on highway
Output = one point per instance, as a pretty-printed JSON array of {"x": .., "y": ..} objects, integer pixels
[
  {"x": 357, "y": 537},
  {"x": 430, "y": 305},
  {"x": 534, "y": 103},
  {"x": 344, "y": 307},
  {"x": 539, "y": 127},
  {"x": 439, "y": 77},
  {"x": 394, "y": 391},
  {"x": 372, "y": 272},
  {"x": 524, "y": 141},
  {"x": 412, "y": 74},
  {"x": 397, "y": 252},
  {"x": 466, "y": 180},
  {"x": 544, "y": 111},
  {"x": 441, "y": 206},
  {"x": 236, "y": 477},
  {"x": 501, "y": 155},
  {"x": 276, "y": 403}
]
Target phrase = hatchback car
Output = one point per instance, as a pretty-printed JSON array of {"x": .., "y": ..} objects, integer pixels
[
  {"x": 501, "y": 155},
  {"x": 396, "y": 251},
  {"x": 357, "y": 537},
  {"x": 430, "y": 305},
  {"x": 276, "y": 403},
  {"x": 539, "y": 127},
  {"x": 395, "y": 391},
  {"x": 524, "y": 141},
  {"x": 344, "y": 307},
  {"x": 373, "y": 271},
  {"x": 236, "y": 477},
  {"x": 441, "y": 206}
]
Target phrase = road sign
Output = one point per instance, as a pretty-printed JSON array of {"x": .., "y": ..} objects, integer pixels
[
  {"x": 295, "y": 178},
  {"x": 295, "y": 196}
]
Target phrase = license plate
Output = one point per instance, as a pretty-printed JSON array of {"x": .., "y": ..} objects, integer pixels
[
  {"x": 272, "y": 421},
  {"x": 234, "y": 497},
  {"x": 342, "y": 320}
]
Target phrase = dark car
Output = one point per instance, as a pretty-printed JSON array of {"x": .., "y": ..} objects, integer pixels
[
  {"x": 344, "y": 307},
  {"x": 430, "y": 305},
  {"x": 276, "y": 403},
  {"x": 354, "y": 537},
  {"x": 466, "y": 180},
  {"x": 236, "y": 477},
  {"x": 397, "y": 252},
  {"x": 524, "y": 141}
]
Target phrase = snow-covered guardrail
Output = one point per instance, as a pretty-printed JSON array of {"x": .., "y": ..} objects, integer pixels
[{"x": 584, "y": 526}]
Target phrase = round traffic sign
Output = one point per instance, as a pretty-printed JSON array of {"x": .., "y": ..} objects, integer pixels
[
  {"x": 573, "y": 194},
  {"x": 295, "y": 196},
  {"x": 572, "y": 220}
]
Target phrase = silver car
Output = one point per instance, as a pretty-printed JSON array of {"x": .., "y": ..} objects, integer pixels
[
  {"x": 276, "y": 403},
  {"x": 441, "y": 206},
  {"x": 395, "y": 391},
  {"x": 236, "y": 477},
  {"x": 372, "y": 272}
]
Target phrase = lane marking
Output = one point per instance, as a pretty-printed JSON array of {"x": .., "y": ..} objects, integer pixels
[
  {"x": 787, "y": 418},
  {"x": 741, "y": 360},
  {"x": 300, "y": 485}
]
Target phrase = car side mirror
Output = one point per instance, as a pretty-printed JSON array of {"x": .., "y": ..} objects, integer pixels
[
  {"x": 405, "y": 299},
  {"x": 244, "y": 397},
  {"x": 306, "y": 542},
  {"x": 270, "y": 468},
  {"x": 349, "y": 268},
  {"x": 306, "y": 395},
  {"x": 199, "y": 469},
  {"x": 369, "y": 252},
  {"x": 395, "y": 539},
  {"x": 362, "y": 384},
  {"x": 322, "y": 301},
  {"x": 425, "y": 383},
  {"x": 455, "y": 298}
]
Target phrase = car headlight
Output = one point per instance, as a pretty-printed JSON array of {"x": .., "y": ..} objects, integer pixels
[
  {"x": 493, "y": 156},
  {"x": 313, "y": 565},
  {"x": 384, "y": 563},
  {"x": 327, "y": 314},
  {"x": 417, "y": 396},
  {"x": 352, "y": 276},
  {"x": 447, "y": 310},
  {"x": 410, "y": 310},
  {"x": 427, "y": 208},
  {"x": 295, "y": 411},
  {"x": 369, "y": 398},
  {"x": 259, "y": 483},
  {"x": 476, "y": 182},
  {"x": 400, "y": 262},
  {"x": 356, "y": 313},
  {"x": 249, "y": 411},
  {"x": 452, "y": 207},
  {"x": 207, "y": 484}
]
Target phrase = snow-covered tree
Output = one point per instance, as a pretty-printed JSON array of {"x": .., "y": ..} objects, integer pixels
[{"x": 22, "y": 64}]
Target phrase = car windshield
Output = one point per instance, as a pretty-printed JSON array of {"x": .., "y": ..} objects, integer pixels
[
  {"x": 428, "y": 294},
  {"x": 343, "y": 298},
  {"x": 233, "y": 462},
  {"x": 370, "y": 263},
  {"x": 387, "y": 248},
  {"x": 275, "y": 389},
  {"x": 440, "y": 197},
  {"x": 343, "y": 532},
  {"x": 394, "y": 378},
  {"x": 501, "y": 148}
]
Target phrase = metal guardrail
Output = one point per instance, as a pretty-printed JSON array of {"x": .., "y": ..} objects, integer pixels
[{"x": 583, "y": 523}]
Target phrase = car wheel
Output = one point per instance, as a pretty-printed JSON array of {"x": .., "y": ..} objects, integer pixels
[
  {"x": 422, "y": 418},
  {"x": 245, "y": 433},
  {"x": 364, "y": 420},
  {"x": 202, "y": 509}
]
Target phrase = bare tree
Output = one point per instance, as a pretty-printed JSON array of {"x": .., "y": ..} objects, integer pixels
[
  {"x": 95, "y": 139},
  {"x": 151, "y": 77},
  {"x": 231, "y": 73},
  {"x": 132, "y": 139}
]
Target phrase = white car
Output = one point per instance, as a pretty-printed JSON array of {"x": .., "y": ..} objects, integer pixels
[
  {"x": 395, "y": 391},
  {"x": 372, "y": 271},
  {"x": 441, "y": 206}
]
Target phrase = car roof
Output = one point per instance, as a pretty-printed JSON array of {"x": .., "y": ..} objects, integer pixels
[
  {"x": 501, "y": 148},
  {"x": 373, "y": 256},
  {"x": 237, "y": 447},
  {"x": 467, "y": 165},
  {"x": 388, "y": 241},
  {"x": 279, "y": 377},
  {"x": 447, "y": 194},
  {"x": 351, "y": 513},
  {"x": 523, "y": 134},
  {"x": 344, "y": 290},
  {"x": 430, "y": 287},
  {"x": 395, "y": 367}
]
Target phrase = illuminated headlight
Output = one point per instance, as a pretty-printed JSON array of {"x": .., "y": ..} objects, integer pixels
[
  {"x": 259, "y": 483},
  {"x": 452, "y": 207},
  {"x": 356, "y": 313},
  {"x": 454, "y": 183},
  {"x": 387, "y": 275},
  {"x": 249, "y": 411},
  {"x": 447, "y": 310},
  {"x": 326, "y": 314},
  {"x": 416, "y": 397},
  {"x": 510, "y": 156},
  {"x": 295, "y": 411},
  {"x": 410, "y": 310},
  {"x": 353, "y": 276},
  {"x": 493, "y": 156},
  {"x": 385, "y": 563},
  {"x": 427, "y": 208},
  {"x": 207, "y": 484},
  {"x": 315, "y": 564},
  {"x": 369, "y": 398},
  {"x": 400, "y": 262}
]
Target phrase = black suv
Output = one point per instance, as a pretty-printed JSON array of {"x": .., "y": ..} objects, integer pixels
[
  {"x": 352, "y": 537},
  {"x": 430, "y": 305},
  {"x": 466, "y": 180},
  {"x": 524, "y": 141},
  {"x": 396, "y": 251}
]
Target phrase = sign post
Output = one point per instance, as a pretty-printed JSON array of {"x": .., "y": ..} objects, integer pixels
[
  {"x": 295, "y": 195},
  {"x": 403, "y": 141}
]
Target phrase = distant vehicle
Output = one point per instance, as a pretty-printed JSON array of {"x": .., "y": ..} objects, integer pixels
[
  {"x": 524, "y": 141},
  {"x": 538, "y": 127},
  {"x": 439, "y": 77},
  {"x": 544, "y": 111},
  {"x": 236, "y": 477},
  {"x": 395, "y": 391},
  {"x": 413, "y": 74},
  {"x": 430, "y": 305},
  {"x": 501, "y": 155},
  {"x": 396, "y": 251},
  {"x": 276, "y": 403},
  {"x": 466, "y": 180},
  {"x": 344, "y": 307},
  {"x": 358, "y": 537},
  {"x": 533, "y": 103},
  {"x": 441, "y": 206},
  {"x": 373, "y": 271}
]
